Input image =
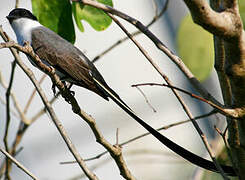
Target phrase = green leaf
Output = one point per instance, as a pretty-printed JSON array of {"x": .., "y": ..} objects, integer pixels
[
  {"x": 195, "y": 47},
  {"x": 95, "y": 17},
  {"x": 56, "y": 15}
]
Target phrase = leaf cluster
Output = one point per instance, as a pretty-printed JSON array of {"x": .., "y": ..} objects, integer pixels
[{"x": 57, "y": 15}]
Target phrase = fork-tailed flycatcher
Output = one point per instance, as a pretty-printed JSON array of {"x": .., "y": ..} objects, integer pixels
[{"x": 72, "y": 65}]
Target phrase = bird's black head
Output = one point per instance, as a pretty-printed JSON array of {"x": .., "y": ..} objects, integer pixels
[{"x": 20, "y": 13}]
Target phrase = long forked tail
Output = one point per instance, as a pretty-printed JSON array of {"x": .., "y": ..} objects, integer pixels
[{"x": 189, "y": 156}]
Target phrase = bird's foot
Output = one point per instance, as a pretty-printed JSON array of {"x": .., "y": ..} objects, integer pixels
[{"x": 67, "y": 87}]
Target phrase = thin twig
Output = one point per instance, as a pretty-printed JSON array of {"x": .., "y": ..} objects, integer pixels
[
  {"x": 184, "y": 91},
  {"x": 146, "y": 99},
  {"x": 223, "y": 135},
  {"x": 19, "y": 165},
  {"x": 8, "y": 119},
  {"x": 15, "y": 101}
]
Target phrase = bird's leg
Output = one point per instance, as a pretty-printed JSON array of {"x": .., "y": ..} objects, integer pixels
[{"x": 68, "y": 87}]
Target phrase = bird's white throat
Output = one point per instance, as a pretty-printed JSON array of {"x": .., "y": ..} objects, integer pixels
[{"x": 23, "y": 29}]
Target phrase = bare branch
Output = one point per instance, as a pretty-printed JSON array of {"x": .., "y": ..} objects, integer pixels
[{"x": 146, "y": 100}]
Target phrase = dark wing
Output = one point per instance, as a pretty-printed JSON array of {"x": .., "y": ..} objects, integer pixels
[{"x": 67, "y": 59}]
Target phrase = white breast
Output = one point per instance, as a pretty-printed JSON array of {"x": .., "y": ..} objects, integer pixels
[{"x": 23, "y": 27}]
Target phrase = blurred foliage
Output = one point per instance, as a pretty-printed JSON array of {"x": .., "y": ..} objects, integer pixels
[
  {"x": 242, "y": 11},
  {"x": 195, "y": 47}
]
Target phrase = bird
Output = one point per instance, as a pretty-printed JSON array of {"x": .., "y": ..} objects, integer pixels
[{"x": 72, "y": 66}]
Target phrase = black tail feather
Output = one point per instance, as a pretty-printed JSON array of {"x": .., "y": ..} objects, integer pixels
[{"x": 189, "y": 156}]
